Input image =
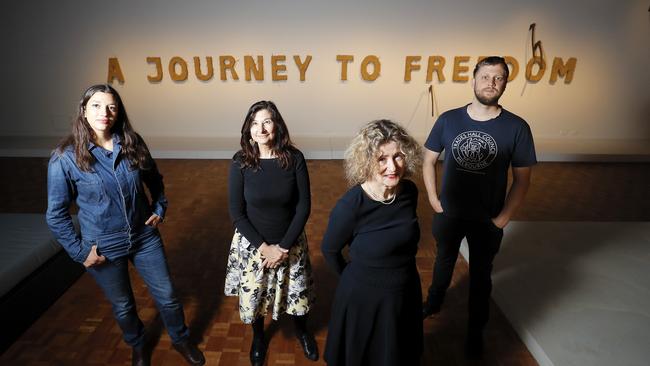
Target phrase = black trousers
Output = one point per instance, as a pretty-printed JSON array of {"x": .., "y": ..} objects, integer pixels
[{"x": 484, "y": 240}]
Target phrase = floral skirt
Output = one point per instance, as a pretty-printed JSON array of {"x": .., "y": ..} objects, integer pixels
[{"x": 288, "y": 288}]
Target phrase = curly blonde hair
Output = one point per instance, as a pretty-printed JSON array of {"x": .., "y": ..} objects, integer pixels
[{"x": 361, "y": 156}]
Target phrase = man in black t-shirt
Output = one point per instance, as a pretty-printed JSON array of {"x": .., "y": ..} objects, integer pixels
[{"x": 481, "y": 141}]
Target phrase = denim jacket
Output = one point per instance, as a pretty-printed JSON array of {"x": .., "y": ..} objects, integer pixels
[{"x": 113, "y": 206}]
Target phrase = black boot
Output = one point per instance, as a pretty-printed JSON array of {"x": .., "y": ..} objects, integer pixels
[
  {"x": 190, "y": 352},
  {"x": 428, "y": 310},
  {"x": 258, "y": 351},
  {"x": 305, "y": 338},
  {"x": 474, "y": 345},
  {"x": 140, "y": 357},
  {"x": 309, "y": 346}
]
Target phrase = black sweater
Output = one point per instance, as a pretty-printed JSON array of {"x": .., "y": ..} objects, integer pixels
[
  {"x": 380, "y": 236},
  {"x": 271, "y": 204}
]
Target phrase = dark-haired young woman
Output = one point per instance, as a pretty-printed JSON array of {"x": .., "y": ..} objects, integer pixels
[
  {"x": 103, "y": 166},
  {"x": 268, "y": 263}
]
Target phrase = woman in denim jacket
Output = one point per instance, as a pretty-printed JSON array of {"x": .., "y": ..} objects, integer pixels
[{"x": 103, "y": 166}]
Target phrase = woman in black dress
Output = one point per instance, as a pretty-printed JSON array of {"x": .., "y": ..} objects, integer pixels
[{"x": 375, "y": 316}]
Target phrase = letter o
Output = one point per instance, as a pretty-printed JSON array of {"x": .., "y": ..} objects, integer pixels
[
  {"x": 515, "y": 67},
  {"x": 182, "y": 76},
  {"x": 374, "y": 60},
  {"x": 529, "y": 69}
]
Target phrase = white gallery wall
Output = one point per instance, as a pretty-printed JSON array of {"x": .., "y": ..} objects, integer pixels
[{"x": 53, "y": 50}]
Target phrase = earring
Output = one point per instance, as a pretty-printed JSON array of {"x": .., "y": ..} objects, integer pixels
[{"x": 252, "y": 142}]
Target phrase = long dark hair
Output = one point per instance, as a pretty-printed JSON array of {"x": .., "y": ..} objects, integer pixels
[
  {"x": 133, "y": 147},
  {"x": 249, "y": 156}
]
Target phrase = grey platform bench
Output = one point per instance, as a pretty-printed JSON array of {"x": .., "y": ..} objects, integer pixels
[{"x": 34, "y": 272}]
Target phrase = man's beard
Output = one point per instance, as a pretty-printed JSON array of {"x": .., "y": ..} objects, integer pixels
[{"x": 493, "y": 100}]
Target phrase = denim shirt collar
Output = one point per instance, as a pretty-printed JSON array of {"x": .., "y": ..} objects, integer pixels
[{"x": 117, "y": 141}]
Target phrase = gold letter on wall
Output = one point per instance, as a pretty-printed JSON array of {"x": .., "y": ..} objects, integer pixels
[
  {"x": 251, "y": 68},
  {"x": 114, "y": 71},
  {"x": 409, "y": 66},
  {"x": 227, "y": 63},
  {"x": 458, "y": 68},
  {"x": 563, "y": 70},
  {"x": 197, "y": 68},
  {"x": 182, "y": 76},
  {"x": 374, "y": 60},
  {"x": 159, "y": 73},
  {"x": 537, "y": 60},
  {"x": 344, "y": 59},
  {"x": 277, "y": 68},
  {"x": 436, "y": 63},
  {"x": 302, "y": 66},
  {"x": 514, "y": 67}
]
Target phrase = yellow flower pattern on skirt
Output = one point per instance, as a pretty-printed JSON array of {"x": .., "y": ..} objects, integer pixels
[{"x": 288, "y": 288}]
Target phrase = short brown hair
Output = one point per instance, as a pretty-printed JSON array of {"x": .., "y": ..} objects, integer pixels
[{"x": 491, "y": 61}]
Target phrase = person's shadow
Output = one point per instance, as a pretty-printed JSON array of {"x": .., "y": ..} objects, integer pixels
[{"x": 197, "y": 233}]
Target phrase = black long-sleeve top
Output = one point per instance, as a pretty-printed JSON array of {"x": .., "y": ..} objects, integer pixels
[
  {"x": 380, "y": 236},
  {"x": 270, "y": 204}
]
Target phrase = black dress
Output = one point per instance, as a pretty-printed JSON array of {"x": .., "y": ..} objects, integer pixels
[{"x": 376, "y": 315}]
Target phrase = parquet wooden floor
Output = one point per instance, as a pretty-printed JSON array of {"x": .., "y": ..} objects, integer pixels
[{"x": 79, "y": 329}]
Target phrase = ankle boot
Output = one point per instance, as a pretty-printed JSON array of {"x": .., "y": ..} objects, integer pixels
[
  {"x": 474, "y": 345},
  {"x": 428, "y": 310},
  {"x": 258, "y": 351},
  {"x": 190, "y": 352},
  {"x": 309, "y": 346},
  {"x": 139, "y": 357}
]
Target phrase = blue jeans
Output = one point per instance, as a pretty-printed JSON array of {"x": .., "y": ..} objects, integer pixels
[{"x": 148, "y": 256}]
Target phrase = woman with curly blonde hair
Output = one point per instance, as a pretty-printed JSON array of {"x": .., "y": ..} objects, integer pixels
[{"x": 376, "y": 313}]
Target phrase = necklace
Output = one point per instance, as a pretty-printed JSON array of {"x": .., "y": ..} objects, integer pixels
[{"x": 379, "y": 198}]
